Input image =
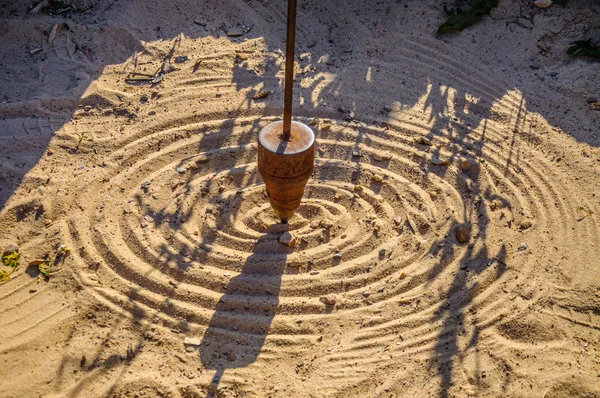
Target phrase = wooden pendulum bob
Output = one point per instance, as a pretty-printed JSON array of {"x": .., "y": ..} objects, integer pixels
[
  {"x": 286, "y": 149},
  {"x": 285, "y": 166}
]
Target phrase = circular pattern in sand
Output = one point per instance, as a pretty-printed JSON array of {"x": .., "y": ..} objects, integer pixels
[{"x": 184, "y": 227}]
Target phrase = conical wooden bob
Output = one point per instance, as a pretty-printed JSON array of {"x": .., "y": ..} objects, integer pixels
[{"x": 285, "y": 166}]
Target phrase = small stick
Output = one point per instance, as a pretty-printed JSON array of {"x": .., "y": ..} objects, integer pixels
[{"x": 289, "y": 71}]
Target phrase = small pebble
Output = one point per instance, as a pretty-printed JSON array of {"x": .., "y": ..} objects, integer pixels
[
  {"x": 195, "y": 341},
  {"x": 465, "y": 165},
  {"x": 543, "y": 3},
  {"x": 328, "y": 300},
  {"x": 592, "y": 100},
  {"x": 522, "y": 246},
  {"x": 235, "y": 31},
  {"x": 462, "y": 234},
  {"x": 287, "y": 239},
  {"x": 337, "y": 256},
  {"x": 366, "y": 294},
  {"x": 314, "y": 224},
  {"x": 387, "y": 108},
  {"x": 180, "y": 170},
  {"x": 553, "y": 74}
]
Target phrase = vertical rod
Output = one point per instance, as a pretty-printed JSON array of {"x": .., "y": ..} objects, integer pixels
[{"x": 289, "y": 70}]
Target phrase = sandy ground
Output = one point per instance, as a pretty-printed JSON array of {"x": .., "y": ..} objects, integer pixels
[{"x": 155, "y": 192}]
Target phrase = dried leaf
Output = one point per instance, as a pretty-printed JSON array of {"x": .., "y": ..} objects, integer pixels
[{"x": 52, "y": 34}]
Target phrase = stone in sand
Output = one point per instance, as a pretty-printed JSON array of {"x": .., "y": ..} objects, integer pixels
[
  {"x": 287, "y": 239},
  {"x": 462, "y": 234},
  {"x": 11, "y": 247},
  {"x": 465, "y": 164},
  {"x": 328, "y": 300},
  {"x": 193, "y": 341}
]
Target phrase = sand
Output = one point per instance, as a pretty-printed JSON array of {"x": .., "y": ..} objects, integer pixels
[{"x": 155, "y": 193}]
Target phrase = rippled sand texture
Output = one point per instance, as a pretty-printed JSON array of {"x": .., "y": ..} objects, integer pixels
[{"x": 156, "y": 192}]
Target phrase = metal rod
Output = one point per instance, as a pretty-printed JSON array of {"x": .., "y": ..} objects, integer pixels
[{"x": 289, "y": 70}]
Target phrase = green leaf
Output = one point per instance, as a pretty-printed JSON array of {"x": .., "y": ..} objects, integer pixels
[
  {"x": 458, "y": 20},
  {"x": 11, "y": 260},
  {"x": 4, "y": 275},
  {"x": 584, "y": 47},
  {"x": 56, "y": 7},
  {"x": 45, "y": 268}
]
